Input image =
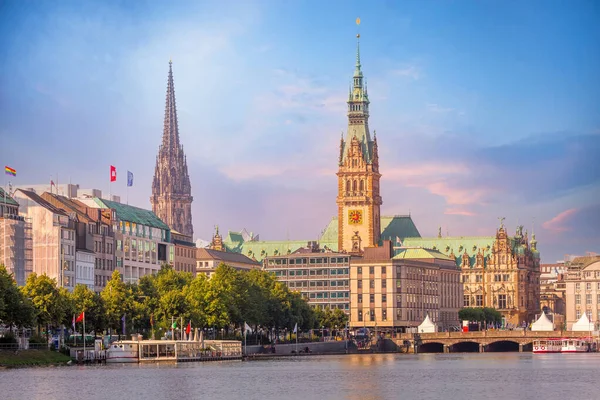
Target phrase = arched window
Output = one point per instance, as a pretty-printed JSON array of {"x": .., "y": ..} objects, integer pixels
[
  {"x": 348, "y": 185},
  {"x": 354, "y": 186},
  {"x": 362, "y": 185}
]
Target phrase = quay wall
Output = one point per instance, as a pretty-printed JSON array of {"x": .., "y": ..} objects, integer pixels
[{"x": 314, "y": 347}]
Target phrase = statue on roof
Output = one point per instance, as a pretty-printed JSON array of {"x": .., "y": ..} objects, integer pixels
[
  {"x": 439, "y": 232},
  {"x": 501, "y": 221}
]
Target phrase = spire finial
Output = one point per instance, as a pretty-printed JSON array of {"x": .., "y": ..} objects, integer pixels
[{"x": 357, "y": 44}]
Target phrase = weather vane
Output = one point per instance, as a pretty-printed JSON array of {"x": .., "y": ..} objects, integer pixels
[{"x": 357, "y": 24}]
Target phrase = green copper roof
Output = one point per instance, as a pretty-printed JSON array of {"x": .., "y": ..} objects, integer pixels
[
  {"x": 392, "y": 227},
  {"x": 420, "y": 253},
  {"x": 133, "y": 214},
  {"x": 455, "y": 244},
  {"x": 9, "y": 200}
]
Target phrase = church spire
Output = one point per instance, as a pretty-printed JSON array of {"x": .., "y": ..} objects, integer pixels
[
  {"x": 171, "y": 126},
  {"x": 171, "y": 190}
]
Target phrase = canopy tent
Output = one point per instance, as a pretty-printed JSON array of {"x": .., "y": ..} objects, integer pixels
[
  {"x": 427, "y": 326},
  {"x": 542, "y": 324},
  {"x": 583, "y": 325}
]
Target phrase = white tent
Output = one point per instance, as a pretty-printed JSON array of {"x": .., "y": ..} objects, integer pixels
[
  {"x": 542, "y": 324},
  {"x": 583, "y": 325},
  {"x": 427, "y": 326}
]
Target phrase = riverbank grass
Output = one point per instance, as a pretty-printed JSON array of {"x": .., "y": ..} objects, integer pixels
[{"x": 22, "y": 358}]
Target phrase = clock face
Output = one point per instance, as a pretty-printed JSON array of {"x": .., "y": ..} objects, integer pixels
[{"x": 355, "y": 217}]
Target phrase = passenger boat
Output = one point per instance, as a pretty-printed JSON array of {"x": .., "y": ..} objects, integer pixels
[
  {"x": 547, "y": 346},
  {"x": 123, "y": 351},
  {"x": 575, "y": 346}
]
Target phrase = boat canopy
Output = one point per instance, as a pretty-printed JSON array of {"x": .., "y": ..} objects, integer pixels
[{"x": 542, "y": 324}]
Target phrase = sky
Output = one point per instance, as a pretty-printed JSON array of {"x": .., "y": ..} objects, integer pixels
[{"x": 482, "y": 109}]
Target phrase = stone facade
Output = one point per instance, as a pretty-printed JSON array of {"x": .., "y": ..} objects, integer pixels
[
  {"x": 184, "y": 259},
  {"x": 171, "y": 189},
  {"x": 358, "y": 197},
  {"x": 583, "y": 290},
  {"x": 391, "y": 292}
]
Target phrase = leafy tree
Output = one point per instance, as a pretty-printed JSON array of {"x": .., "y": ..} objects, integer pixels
[
  {"x": 85, "y": 300},
  {"x": 15, "y": 308},
  {"x": 47, "y": 300},
  {"x": 118, "y": 300},
  {"x": 478, "y": 314}
]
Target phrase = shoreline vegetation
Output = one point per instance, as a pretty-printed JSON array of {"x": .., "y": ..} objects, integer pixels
[
  {"x": 231, "y": 304},
  {"x": 31, "y": 358}
]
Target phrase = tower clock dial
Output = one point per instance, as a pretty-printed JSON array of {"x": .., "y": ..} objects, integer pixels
[{"x": 355, "y": 217}]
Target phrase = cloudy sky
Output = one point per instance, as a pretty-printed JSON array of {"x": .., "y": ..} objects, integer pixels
[{"x": 482, "y": 109}]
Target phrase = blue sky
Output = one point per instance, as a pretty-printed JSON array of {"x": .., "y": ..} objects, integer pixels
[{"x": 482, "y": 109}]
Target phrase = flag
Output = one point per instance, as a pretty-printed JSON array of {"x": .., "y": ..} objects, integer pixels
[
  {"x": 113, "y": 173},
  {"x": 10, "y": 171},
  {"x": 296, "y": 328},
  {"x": 174, "y": 325},
  {"x": 247, "y": 328},
  {"x": 398, "y": 241},
  {"x": 129, "y": 178},
  {"x": 123, "y": 323},
  {"x": 188, "y": 329},
  {"x": 151, "y": 319},
  {"x": 73, "y": 322},
  {"x": 52, "y": 183},
  {"x": 80, "y": 317}
]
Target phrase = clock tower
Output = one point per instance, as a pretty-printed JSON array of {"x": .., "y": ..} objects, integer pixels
[{"x": 358, "y": 174}]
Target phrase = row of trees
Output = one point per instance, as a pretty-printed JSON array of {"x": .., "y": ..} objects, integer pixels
[
  {"x": 227, "y": 300},
  {"x": 479, "y": 314}
]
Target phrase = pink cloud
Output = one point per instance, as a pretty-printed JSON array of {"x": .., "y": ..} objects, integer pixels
[
  {"x": 557, "y": 224},
  {"x": 458, "y": 211}
]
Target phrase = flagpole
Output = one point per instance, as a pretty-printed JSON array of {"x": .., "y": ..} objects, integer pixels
[
  {"x": 83, "y": 336},
  {"x": 245, "y": 339},
  {"x": 172, "y": 329}
]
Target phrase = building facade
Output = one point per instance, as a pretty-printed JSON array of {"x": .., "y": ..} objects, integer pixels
[
  {"x": 184, "y": 259},
  {"x": 553, "y": 292},
  {"x": 322, "y": 277},
  {"x": 358, "y": 198},
  {"x": 501, "y": 271},
  {"x": 171, "y": 189},
  {"x": 394, "y": 292},
  {"x": 94, "y": 233},
  {"x": 53, "y": 238},
  {"x": 583, "y": 290},
  {"x": 16, "y": 251},
  {"x": 142, "y": 240}
]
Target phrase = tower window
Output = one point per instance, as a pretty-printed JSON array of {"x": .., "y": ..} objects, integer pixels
[
  {"x": 347, "y": 185},
  {"x": 354, "y": 186},
  {"x": 362, "y": 185}
]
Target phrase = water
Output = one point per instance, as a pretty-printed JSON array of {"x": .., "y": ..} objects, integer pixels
[{"x": 379, "y": 376}]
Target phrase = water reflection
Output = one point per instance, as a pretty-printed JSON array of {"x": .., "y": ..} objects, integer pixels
[{"x": 369, "y": 376}]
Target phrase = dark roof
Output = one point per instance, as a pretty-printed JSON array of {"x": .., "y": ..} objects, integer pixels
[
  {"x": 66, "y": 205},
  {"x": 224, "y": 256},
  {"x": 33, "y": 196}
]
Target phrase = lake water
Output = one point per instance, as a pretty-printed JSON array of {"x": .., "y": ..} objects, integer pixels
[{"x": 377, "y": 376}]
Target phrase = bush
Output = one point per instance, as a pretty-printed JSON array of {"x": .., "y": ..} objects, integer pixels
[
  {"x": 8, "y": 339},
  {"x": 37, "y": 339}
]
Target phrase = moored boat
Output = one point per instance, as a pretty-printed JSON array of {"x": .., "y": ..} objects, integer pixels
[
  {"x": 123, "y": 351},
  {"x": 547, "y": 346},
  {"x": 581, "y": 345}
]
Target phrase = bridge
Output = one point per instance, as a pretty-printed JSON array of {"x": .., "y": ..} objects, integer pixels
[{"x": 481, "y": 341}]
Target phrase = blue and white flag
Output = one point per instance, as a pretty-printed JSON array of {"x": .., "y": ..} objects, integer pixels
[
  {"x": 296, "y": 328},
  {"x": 129, "y": 178}
]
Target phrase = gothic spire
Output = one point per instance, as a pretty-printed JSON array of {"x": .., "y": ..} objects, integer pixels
[
  {"x": 171, "y": 128},
  {"x": 171, "y": 190}
]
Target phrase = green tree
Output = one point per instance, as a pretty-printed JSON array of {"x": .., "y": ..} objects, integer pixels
[
  {"x": 47, "y": 300},
  {"x": 85, "y": 300},
  {"x": 15, "y": 309},
  {"x": 118, "y": 301}
]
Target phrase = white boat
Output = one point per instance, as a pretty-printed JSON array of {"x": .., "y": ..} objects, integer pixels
[
  {"x": 123, "y": 351},
  {"x": 547, "y": 346},
  {"x": 575, "y": 346}
]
